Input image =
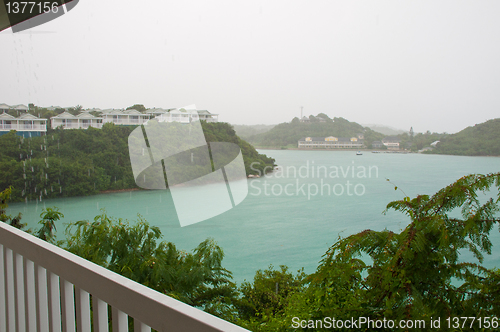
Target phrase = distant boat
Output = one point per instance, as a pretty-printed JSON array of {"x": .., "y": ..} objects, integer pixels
[{"x": 358, "y": 153}]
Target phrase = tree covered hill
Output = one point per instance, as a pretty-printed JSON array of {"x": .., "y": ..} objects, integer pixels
[
  {"x": 80, "y": 162},
  {"x": 287, "y": 134},
  {"x": 480, "y": 140},
  {"x": 245, "y": 131}
]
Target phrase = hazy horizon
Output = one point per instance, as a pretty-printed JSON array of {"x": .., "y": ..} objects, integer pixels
[{"x": 427, "y": 65}]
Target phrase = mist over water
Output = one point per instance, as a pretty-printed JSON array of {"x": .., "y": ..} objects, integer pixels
[{"x": 286, "y": 218}]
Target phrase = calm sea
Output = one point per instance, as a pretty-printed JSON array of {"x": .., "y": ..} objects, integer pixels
[{"x": 294, "y": 214}]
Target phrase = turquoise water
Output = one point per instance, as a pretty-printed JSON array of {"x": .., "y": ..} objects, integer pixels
[{"x": 286, "y": 218}]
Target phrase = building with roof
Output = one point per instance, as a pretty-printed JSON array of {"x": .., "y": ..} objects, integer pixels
[
  {"x": 391, "y": 142},
  {"x": 4, "y": 107},
  {"x": 26, "y": 125},
  {"x": 130, "y": 117},
  {"x": 154, "y": 112},
  {"x": 330, "y": 142},
  {"x": 184, "y": 115},
  {"x": 83, "y": 120},
  {"x": 434, "y": 144},
  {"x": 19, "y": 107}
]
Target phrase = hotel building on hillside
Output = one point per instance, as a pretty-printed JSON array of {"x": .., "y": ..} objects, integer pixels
[
  {"x": 26, "y": 125},
  {"x": 20, "y": 107},
  {"x": 330, "y": 142},
  {"x": 70, "y": 121},
  {"x": 130, "y": 117},
  {"x": 186, "y": 116}
]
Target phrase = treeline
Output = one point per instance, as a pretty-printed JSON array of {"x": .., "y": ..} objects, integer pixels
[
  {"x": 80, "y": 162},
  {"x": 45, "y": 113},
  {"x": 288, "y": 134},
  {"x": 375, "y": 279},
  {"x": 480, "y": 140},
  {"x": 245, "y": 131},
  {"x": 419, "y": 141}
]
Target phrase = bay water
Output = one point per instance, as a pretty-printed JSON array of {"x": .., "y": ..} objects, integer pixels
[{"x": 294, "y": 214}]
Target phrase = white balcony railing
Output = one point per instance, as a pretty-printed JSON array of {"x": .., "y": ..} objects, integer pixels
[
  {"x": 94, "y": 125},
  {"x": 45, "y": 288},
  {"x": 23, "y": 127},
  {"x": 126, "y": 122}
]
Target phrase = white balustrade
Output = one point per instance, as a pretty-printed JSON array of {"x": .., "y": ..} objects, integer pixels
[{"x": 45, "y": 288}]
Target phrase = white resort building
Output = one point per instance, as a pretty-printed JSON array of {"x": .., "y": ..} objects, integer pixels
[
  {"x": 330, "y": 142},
  {"x": 186, "y": 115},
  {"x": 391, "y": 142},
  {"x": 26, "y": 125},
  {"x": 20, "y": 107},
  {"x": 130, "y": 117},
  {"x": 70, "y": 121}
]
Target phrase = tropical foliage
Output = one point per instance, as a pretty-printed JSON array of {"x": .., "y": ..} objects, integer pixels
[
  {"x": 138, "y": 253},
  {"x": 246, "y": 131}
]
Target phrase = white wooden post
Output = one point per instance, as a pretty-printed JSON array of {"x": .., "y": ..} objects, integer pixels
[
  {"x": 100, "y": 314},
  {"x": 120, "y": 320},
  {"x": 140, "y": 326},
  {"x": 9, "y": 290},
  {"x": 3, "y": 292},
  {"x": 67, "y": 306},
  {"x": 42, "y": 301},
  {"x": 19, "y": 289},
  {"x": 29, "y": 295},
  {"x": 82, "y": 310},
  {"x": 54, "y": 303}
]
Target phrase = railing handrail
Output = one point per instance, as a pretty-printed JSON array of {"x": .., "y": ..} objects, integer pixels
[{"x": 153, "y": 308}]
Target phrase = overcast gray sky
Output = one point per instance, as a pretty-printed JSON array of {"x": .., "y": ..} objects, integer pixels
[{"x": 433, "y": 65}]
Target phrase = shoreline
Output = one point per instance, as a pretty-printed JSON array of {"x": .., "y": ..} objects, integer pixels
[
  {"x": 336, "y": 150},
  {"x": 117, "y": 191}
]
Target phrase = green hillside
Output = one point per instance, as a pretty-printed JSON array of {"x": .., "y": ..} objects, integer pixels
[
  {"x": 480, "y": 140},
  {"x": 80, "y": 162},
  {"x": 287, "y": 134},
  {"x": 245, "y": 131}
]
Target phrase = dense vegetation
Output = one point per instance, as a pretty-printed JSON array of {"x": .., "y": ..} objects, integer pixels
[
  {"x": 287, "y": 134},
  {"x": 82, "y": 162},
  {"x": 384, "y": 276},
  {"x": 480, "y": 140},
  {"x": 246, "y": 131},
  {"x": 419, "y": 141}
]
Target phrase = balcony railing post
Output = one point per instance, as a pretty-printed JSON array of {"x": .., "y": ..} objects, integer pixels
[
  {"x": 140, "y": 326},
  {"x": 3, "y": 293},
  {"x": 9, "y": 290},
  {"x": 42, "y": 303},
  {"x": 67, "y": 306},
  {"x": 54, "y": 302},
  {"x": 82, "y": 310},
  {"x": 120, "y": 320},
  {"x": 19, "y": 289},
  {"x": 100, "y": 314},
  {"x": 29, "y": 295}
]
